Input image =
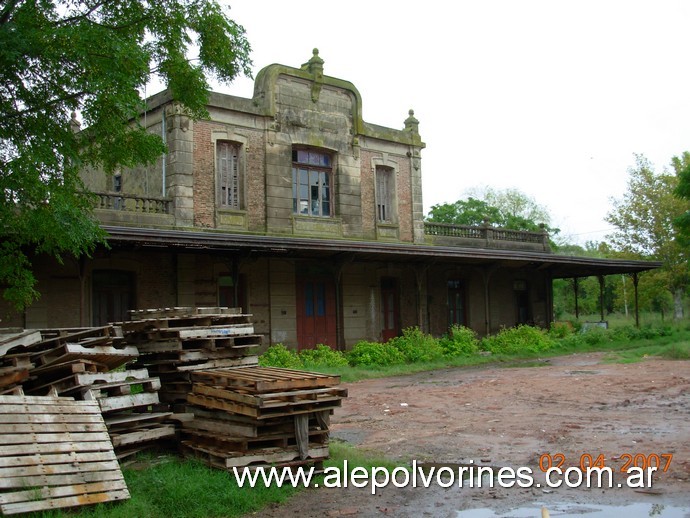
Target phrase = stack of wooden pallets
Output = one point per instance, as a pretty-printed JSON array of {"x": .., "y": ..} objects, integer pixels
[
  {"x": 54, "y": 453},
  {"x": 79, "y": 363},
  {"x": 15, "y": 363},
  {"x": 173, "y": 342},
  {"x": 260, "y": 416}
]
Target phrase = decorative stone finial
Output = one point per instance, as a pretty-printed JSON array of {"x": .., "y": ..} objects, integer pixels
[
  {"x": 315, "y": 64},
  {"x": 315, "y": 67},
  {"x": 411, "y": 123}
]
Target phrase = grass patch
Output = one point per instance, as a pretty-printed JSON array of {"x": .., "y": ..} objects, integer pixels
[
  {"x": 168, "y": 486},
  {"x": 180, "y": 488}
]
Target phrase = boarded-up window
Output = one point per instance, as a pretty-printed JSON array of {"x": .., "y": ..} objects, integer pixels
[
  {"x": 384, "y": 194},
  {"x": 227, "y": 154}
]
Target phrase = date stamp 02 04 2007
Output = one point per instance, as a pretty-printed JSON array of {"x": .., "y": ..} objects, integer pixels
[{"x": 660, "y": 461}]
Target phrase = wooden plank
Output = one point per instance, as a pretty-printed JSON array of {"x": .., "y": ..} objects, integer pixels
[
  {"x": 57, "y": 503},
  {"x": 64, "y": 479},
  {"x": 266, "y": 379},
  {"x": 72, "y": 457},
  {"x": 112, "y": 404},
  {"x": 239, "y": 362},
  {"x": 39, "y": 419},
  {"x": 28, "y": 428},
  {"x": 269, "y": 456},
  {"x": 55, "y": 336},
  {"x": 106, "y": 354},
  {"x": 273, "y": 399},
  {"x": 13, "y": 378},
  {"x": 213, "y": 331},
  {"x": 56, "y": 492},
  {"x": 15, "y": 362},
  {"x": 258, "y": 413},
  {"x": 119, "y": 421},
  {"x": 43, "y": 409},
  {"x": 71, "y": 367},
  {"x": 56, "y": 469},
  {"x": 26, "y": 338},
  {"x": 41, "y": 438},
  {"x": 171, "y": 312},
  {"x": 16, "y": 390},
  {"x": 112, "y": 377},
  {"x": 21, "y": 449},
  {"x": 121, "y": 388},
  {"x": 159, "y": 432}
]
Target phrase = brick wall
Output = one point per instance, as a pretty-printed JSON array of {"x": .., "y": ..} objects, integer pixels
[
  {"x": 253, "y": 183},
  {"x": 204, "y": 175}
]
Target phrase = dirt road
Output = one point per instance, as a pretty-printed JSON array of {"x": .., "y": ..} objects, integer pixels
[{"x": 567, "y": 408}]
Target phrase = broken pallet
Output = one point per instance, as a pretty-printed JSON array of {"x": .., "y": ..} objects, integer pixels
[{"x": 55, "y": 453}]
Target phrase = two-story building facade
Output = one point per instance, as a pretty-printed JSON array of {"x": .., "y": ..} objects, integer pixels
[{"x": 293, "y": 207}]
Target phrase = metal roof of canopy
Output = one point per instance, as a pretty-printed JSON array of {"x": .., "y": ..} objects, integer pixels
[{"x": 559, "y": 266}]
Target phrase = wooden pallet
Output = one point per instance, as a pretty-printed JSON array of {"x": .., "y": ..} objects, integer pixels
[
  {"x": 195, "y": 344},
  {"x": 239, "y": 425},
  {"x": 250, "y": 444},
  {"x": 104, "y": 354},
  {"x": 267, "y": 457},
  {"x": 121, "y": 403},
  {"x": 143, "y": 325},
  {"x": 181, "y": 311},
  {"x": 11, "y": 338},
  {"x": 146, "y": 434},
  {"x": 86, "y": 336},
  {"x": 268, "y": 400},
  {"x": 80, "y": 380},
  {"x": 258, "y": 380},
  {"x": 263, "y": 413},
  {"x": 55, "y": 453},
  {"x": 195, "y": 332},
  {"x": 11, "y": 379}
]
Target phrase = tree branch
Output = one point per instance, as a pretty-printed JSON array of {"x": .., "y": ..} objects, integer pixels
[
  {"x": 7, "y": 11},
  {"x": 37, "y": 108},
  {"x": 81, "y": 16}
]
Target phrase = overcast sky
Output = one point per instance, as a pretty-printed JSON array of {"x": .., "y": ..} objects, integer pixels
[{"x": 550, "y": 97}]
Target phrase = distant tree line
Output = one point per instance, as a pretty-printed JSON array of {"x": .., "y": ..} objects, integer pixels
[{"x": 651, "y": 222}]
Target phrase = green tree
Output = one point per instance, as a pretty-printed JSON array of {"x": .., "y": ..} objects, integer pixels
[
  {"x": 644, "y": 220},
  {"x": 465, "y": 212},
  {"x": 92, "y": 57},
  {"x": 682, "y": 191},
  {"x": 509, "y": 209}
]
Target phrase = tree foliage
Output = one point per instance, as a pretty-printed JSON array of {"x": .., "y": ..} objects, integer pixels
[
  {"x": 682, "y": 191},
  {"x": 644, "y": 220},
  {"x": 509, "y": 209},
  {"x": 92, "y": 57}
]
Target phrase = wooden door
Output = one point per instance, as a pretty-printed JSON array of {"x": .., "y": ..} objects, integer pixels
[
  {"x": 316, "y": 313},
  {"x": 113, "y": 296},
  {"x": 456, "y": 303},
  {"x": 390, "y": 309}
]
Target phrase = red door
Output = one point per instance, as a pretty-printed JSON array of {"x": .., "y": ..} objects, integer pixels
[
  {"x": 315, "y": 312},
  {"x": 390, "y": 309}
]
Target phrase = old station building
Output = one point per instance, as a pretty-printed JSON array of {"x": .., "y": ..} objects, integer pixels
[{"x": 293, "y": 207}]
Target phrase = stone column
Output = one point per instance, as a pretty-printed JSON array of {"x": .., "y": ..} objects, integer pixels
[{"x": 179, "y": 164}]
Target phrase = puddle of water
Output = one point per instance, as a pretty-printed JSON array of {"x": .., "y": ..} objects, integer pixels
[{"x": 589, "y": 510}]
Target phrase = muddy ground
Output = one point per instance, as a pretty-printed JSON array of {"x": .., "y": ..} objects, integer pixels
[{"x": 574, "y": 405}]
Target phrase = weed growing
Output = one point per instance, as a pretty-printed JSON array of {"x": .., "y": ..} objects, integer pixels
[{"x": 415, "y": 351}]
